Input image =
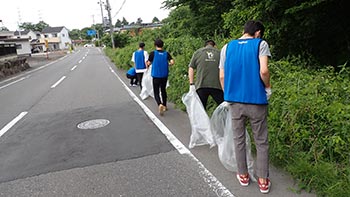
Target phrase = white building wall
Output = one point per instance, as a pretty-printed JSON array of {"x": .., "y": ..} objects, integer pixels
[
  {"x": 25, "y": 48},
  {"x": 65, "y": 40}
]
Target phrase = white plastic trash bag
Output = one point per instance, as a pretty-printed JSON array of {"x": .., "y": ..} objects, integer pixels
[
  {"x": 221, "y": 127},
  {"x": 147, "y": 84},
  {"x": 199, "y": 119}
]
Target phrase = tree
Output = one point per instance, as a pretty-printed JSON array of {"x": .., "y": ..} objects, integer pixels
[
  {"x": 206, "y": 18},
  {"x": 3, "y": 28},
  {"x": 27, "y": 26},
  {"x": 125, "y": 22},
  {"x": 155, "y": 20},
  {"x": 178, "y": 23},
  {"x": 41, "y": 25},
  {"x": 118, "y": 23},
  {"x": 307, "y": 28},
  {"x": 75, "y": 34},
  {"x": 139, "y": 21},
  {"x": 34, "y": 27}
]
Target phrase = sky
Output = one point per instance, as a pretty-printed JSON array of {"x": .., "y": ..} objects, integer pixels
[{"x": 77, "y": 14}]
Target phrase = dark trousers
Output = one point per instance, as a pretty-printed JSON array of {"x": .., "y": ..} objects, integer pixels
[
  {"x": 139, "y": 78},
  {"x": 133, "y": 79},
  {"x": 217, "y": 94},
  {"x": 160, "y": 84}
]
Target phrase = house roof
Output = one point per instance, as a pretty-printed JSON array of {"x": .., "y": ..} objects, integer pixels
[
  {"x": 52, "y": 29},
  {"x": 25, "y": 32}
]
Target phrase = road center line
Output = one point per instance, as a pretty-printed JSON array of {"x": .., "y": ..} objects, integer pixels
[
  {"x": 58, "y": 82},
  {"x": 12, "y": 123},
  {"x": 209, "y": 178},
  {"x": 80, "y": 61},
  {"x": 74, "y": 67}
]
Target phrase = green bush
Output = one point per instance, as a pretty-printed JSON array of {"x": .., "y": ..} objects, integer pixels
[{"x": 309, "y": 124}]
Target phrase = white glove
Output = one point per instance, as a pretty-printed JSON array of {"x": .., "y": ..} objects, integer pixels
[
  {"x": 192, "y": 88},
  {"x": 268, "y": 92},
  {"x": 225, "y": 104}
]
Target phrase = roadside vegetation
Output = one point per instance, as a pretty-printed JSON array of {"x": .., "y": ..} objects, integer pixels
[{"x": 309, "y": 108}]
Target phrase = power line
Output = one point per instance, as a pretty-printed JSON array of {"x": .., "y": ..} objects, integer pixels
[{"x": 119, "y": 9}]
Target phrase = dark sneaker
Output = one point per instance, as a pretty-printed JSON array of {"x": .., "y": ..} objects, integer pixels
[
  {"x": 243, "y": 179},
  {"x": 264, "y": 187}
]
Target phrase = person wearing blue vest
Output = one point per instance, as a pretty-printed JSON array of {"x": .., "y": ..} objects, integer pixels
[
  {"x": 245, "y": 79},
  {"x": 131, "y": 74},
  {"x": 139, "y": 58},
  {"x": 160, "y": 60}
]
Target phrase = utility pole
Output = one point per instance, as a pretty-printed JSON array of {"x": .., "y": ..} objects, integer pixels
[
  {"x": 103, "y": 22},
  {"x": 111, "y": 28}
]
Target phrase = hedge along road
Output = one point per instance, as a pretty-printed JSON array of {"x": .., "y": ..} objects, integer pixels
[{"x": 135, "y": 153}]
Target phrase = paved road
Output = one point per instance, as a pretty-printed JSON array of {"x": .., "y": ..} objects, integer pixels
[{"x": 138, "y": 153}]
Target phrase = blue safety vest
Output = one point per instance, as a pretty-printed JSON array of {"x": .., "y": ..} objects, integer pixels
[
  {"x": 140, "y": 59},
  {"x": 242, "y": 82},
  {"x": 160, "y": 65}
]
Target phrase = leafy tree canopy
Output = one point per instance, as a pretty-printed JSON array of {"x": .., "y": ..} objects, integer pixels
[{"x": 34, "y": 27}]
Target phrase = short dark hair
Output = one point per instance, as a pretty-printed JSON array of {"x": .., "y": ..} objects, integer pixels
[
  {"x": 211, "y": 42},
  {"x": 253, "y": 26},
  {"x": 159, "y": 43},
  {"x": 141, "y": 45}
]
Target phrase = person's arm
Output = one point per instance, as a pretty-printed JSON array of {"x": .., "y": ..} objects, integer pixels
[
  {"x": 222, "y": 65},
  {"x": 133, "y": 59},
  {"x": 150, "y": 59},
  {"x": 264, "y": 71},
  {"x": 190, "y": 75},
  {"x": 222, "y": 76}
]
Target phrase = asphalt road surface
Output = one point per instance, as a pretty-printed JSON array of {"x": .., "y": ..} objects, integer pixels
[{"x": 71, "y": 127}]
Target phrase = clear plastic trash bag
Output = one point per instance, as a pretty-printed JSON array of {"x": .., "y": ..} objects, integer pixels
[
  {"x": 221, "y": 127},
  {"x": 147, "y": 84},
  {"x": 199, "y": 119}
]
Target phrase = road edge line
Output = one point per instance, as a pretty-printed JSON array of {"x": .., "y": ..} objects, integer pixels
[{"x": 208, "y": 177}]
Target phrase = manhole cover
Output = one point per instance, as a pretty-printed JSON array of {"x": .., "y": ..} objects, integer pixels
[{"x": 93, "y": 124}]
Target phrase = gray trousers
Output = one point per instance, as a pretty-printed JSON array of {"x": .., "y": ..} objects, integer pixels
[{"x": 257, "y": 115}]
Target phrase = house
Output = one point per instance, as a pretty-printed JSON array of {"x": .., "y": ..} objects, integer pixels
[
  {"x": 23, "y": 47},
  {"x": 55, "y": 38},
  {"x": 34, "y": 39}
]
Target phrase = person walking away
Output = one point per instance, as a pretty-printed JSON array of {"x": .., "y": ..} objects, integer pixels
[
  {"x": 160, "y": 60},
  {"x": 139, "y": 58},
  {"x": 206, "y": 63},
  {"x": 245, "y": 79},
  {"x": 131, "y": 74}
]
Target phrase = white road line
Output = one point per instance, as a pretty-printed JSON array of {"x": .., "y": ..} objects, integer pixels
[
  {"x": 18, "y": 80},
  {"x": 208, "y": 177},
  {"x": 12, "y": 123},
  {"x": 74, "y": 67},
  {"x": 58, "y": 82},
  {"x": 80, "y": 61}
]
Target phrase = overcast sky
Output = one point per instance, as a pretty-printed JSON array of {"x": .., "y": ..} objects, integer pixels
[{"x": 76, "y": 14}]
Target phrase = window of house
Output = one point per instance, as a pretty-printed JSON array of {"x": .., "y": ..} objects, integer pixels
[
  {"x": 18, "y": 46},
  {"x": 54, "y": 35},
  {"x": 46, "y": 35}
]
